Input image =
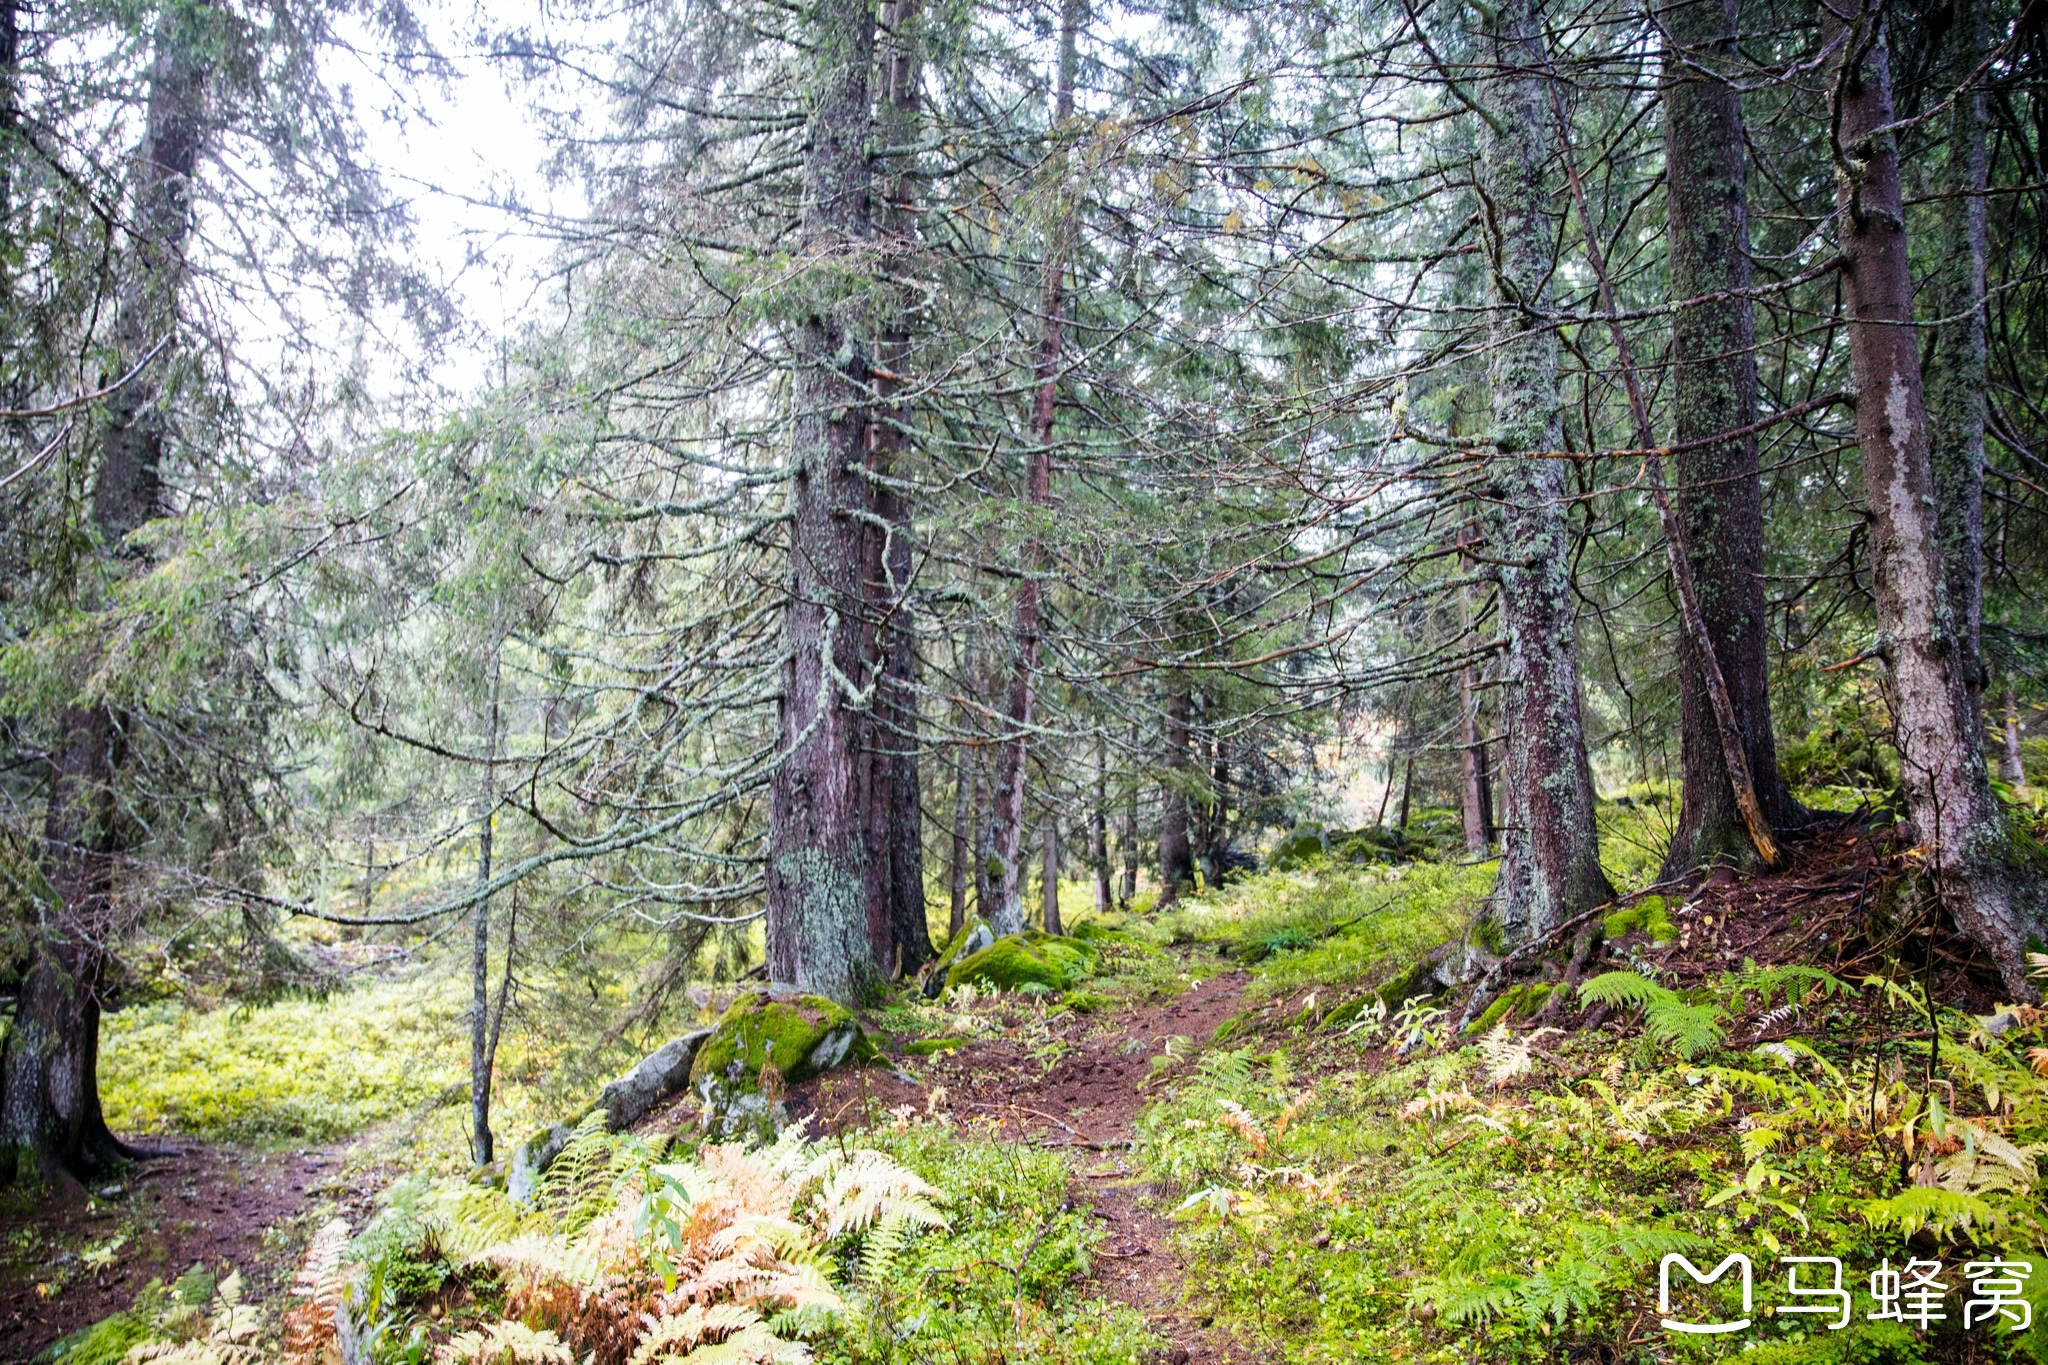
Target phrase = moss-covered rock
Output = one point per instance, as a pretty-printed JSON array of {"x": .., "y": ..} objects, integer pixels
[
  {"x": 974, "y": 936},
  {"x": 1299, "y": 847},
  {"x": 1419, "y": 979},
  {"x": 769, "y": 1039},
  {"x": 1032, "y": 959},
  {"x": 1518, "y": 1002}
]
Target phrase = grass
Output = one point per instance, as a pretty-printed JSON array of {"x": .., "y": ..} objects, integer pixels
[{"x": 394, "y": 1051}]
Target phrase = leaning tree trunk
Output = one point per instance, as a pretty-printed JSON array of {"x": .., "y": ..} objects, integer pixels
[
  {"x": 50, "y": 1118},
  {"x": 1955, "y": 815},
  {"x": 1958, "y": 366},
  {"x": 1176, "y": 853},
  {"x": 1030, "y": 620},
  {"x": 1719, "y": 497},
  {"x": 898, "y": 839},
  {"x": 1550, "y": 863},
  {"x": 819, "y": 881}
]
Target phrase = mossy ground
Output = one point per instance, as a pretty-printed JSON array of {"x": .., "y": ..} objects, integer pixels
[{"x": 1032, "y": 960}]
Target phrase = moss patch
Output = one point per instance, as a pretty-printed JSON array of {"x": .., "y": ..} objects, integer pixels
[
  {"x": 1649, "y": 915},
  {"x": 1517, "y": 1003},
  {"x": 925, "y": 1047},
  {"x": 1033, "y": 958},
  {"x": 770, "y": 1038}
]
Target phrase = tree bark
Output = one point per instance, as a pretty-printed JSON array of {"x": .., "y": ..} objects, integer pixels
[
  {"x": 1099, "y": 829},
  {"x": 1176, "y": 856},
  {"x": 1128, "y": 835},
  {"x": 50, "y": 1117},
  {"x": 1955, "y": 816},
  {"x": 1051, "y": 876},
  {"x": 1550, "y": 864},
  {"x": 820, "y": 930},
  {"x": 1718, "y": 495},
  {"x": 1957, "y": 370},
  {"x": 899, "y": 839},
  {"x": 963, "y": 818},
  {"x": 2011, "y": 768},
  {"x": 1476, "y": 785},
  {"x": 1030, "y": 619},
  {"x": 480, "y": 938}
]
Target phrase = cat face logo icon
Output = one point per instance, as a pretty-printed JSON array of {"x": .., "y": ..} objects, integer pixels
[{"x": 1704, "y": 1328}]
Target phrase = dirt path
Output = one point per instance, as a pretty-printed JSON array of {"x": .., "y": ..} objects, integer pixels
[
  {"x": 210, "y": 1206},
  {"x": 1087, "y": 1101}
]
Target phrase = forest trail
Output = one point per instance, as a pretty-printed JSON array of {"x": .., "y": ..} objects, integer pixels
[
  {"x": 1087, "y": 1099},
  {"x": 210, "y": 1204}
]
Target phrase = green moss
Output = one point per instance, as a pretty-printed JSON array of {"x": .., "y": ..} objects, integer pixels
[
  {"x": 1496, "y": 1011},
  {"x": 973, "y": 936},
  {"x": 1405, "y": 987},
  {"x": 1648, "y": 915},
  {"x": 1084, "y": 1002},
  {"x": 795, "y": 1034},
  {"x": 925, "y": 1047},
  {"x": 1345, "y": 1013},
  {"x": 1034, "y": 957},
  {"x": 1302, "y": 846}
]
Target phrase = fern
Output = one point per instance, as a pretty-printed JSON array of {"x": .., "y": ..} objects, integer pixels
[
  {"x": 505, "y": 1343},
  {"x": 1668, "y": 1017}
]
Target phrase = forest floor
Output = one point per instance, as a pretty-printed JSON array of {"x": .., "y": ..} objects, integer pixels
[
  {"x": 1271, "y": 1182},
  {"x": 83, "y": 1254}
]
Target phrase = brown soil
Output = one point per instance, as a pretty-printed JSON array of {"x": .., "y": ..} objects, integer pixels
[
  {"x": 1086, "y": 1101},
  {"x": 211, "y": 1206}
]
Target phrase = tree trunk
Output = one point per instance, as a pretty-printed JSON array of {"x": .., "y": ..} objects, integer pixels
[
  {"x": 1948, "y": 788},
  {"x": 1957, "y": 368},
  {"x": 1476, "y": 787},
  {"x": 1176, "y": 857},
  {"x": 820, "y": 931},
  {"x": 2010, "y": 767},
  {"x": 1030, "y": 620},
  {"x": 1216, "y": 818},
  {"x": 899, "y": 841},
  {"x": 963, "y": 819},
  {"x": 984, "y": 848},
  {"x": 1719, "y": 498},
  {"x": 1550, "y": 864},
  {"x": 1407, "y": 791},
  {"x": 1128, "y": 835},
  {"x": 1051, "y": 876},
  {"x": 50, "y": 1118},
  {"x": 1099, "y": 829},
  {"x": 480, "y": 939}
]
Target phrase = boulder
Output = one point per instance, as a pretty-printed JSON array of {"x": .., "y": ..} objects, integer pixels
[
  {"x": 1031, "y": 960},
  {"x": 1300, "y": 846},
  {"x": 974, "y": 936},
  {"x": 770, "y": 1038},
  {"x": 625, "y": 1101}
]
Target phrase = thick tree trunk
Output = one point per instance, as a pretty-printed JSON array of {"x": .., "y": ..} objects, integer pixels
[
  {"x": 1957, "y": 369},
  {"x": 819, "y": 927},
  {"x": 1176, "y": 855},
  {"x": 1030, "y": 620},
  {"x": 1955, "y": 816},
  {"x": 1719, "y": 498},
  {"x": 50, "y": 1118},
  {"x": 2011, "y": 768},
  {"x": 899, "y": 839},
  {"x": 1550, "y": 864}
]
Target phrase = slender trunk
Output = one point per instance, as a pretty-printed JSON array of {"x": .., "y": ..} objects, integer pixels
[
  {"x": 1176, "y": 858},
  {"x": 1957, "y": 370},
  {"x": 1955, "y": 816},
  {"x": 963, "y": 819},
  {"x": 1099, "y": 829},
  {"x": 1216, "y": 820},
  {"x": 1379, "y": 817},
  {"x": 1030, "y": 619},
  {"x": 480, "y": 940},
  {"x": 1127, "y": 835},
  {"x": 819, "y": 927},
  {"x": 50, "y": 1116},
  {"x": 984, "y": 848},
  {"x": 1550, "y": 864},
  {"x": 1051, "y": 876},
  {"x": 1719, "y": 497},
  {"x": 1407, "y": 791},
  {"x": 898, "y": 843},
  {"x": 504, "y": 986},
  {"x": 2010, "y": 768}
]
